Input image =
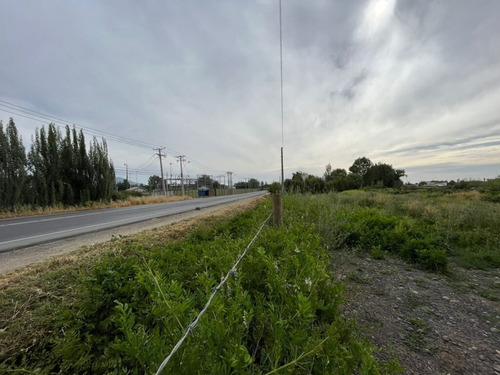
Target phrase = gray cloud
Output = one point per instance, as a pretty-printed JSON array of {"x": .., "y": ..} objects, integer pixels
[{"x": 395, "y": 80}]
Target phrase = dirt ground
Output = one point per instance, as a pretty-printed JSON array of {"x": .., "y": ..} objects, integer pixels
[{"x": 434, "y": 324}]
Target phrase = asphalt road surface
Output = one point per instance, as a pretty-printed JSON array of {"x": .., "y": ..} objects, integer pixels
[{"x": 28, "y": 231}]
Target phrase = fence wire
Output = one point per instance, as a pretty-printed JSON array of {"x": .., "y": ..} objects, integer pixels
[{"x": 190, "y": 328}]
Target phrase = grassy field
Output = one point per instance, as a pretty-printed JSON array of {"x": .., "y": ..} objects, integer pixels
[
  {"x": 427, "y": 228},
  {"x": 121, "y": 306}
]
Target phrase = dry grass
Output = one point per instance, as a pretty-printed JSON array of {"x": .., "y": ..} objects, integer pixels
[
  {"x": 130, "y": 201},
  {"x": 472, "y": 195}
]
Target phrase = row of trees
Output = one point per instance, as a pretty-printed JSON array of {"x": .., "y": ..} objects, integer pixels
[
  {"x": 362, "y": 173},
  {"x": 58, "y": 169}
]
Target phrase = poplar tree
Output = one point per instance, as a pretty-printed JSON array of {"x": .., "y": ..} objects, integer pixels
[
  {"x": 60, "y": 168},
  {"x": 53, "y": 166},
  {"x": 12, "y": 166},
  {"x": 37, "y": 158},
  {"x": 67, "y": 169},
  {"x": 3, "y": 167}
]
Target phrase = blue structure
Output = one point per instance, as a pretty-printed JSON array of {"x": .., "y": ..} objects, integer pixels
[{"x": 203, "y": 192}]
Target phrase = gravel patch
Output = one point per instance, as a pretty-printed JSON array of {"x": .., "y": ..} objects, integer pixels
[{"x": 434, "y": 324}]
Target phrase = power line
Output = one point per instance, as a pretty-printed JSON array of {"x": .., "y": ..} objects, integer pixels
[
  {"x": 149, "y": 162},
  {"x": 39, "y": 116},
  {"x": 61, "y": 123}
]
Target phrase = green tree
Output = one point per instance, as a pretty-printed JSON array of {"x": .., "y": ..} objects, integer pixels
[
  {"x": 53, "y": 166},
  {"x": 335, "y": 180},
  {"x": 83, "y": 169},
  {"x": 383, "y": 175},
  {"x": 154, "y": 183},
  {"x": 12, "y": 166},
  {"x": 361, "y": 166},
  {"x": 61, "y": 170},
  {"x": 101, "y": 171},
  {"x": 314, "y": 184},
  {"x": 354, "y": 181},
  {"x": 328, "y": 172},
  {"x": 4, "y": 152},
  {"x": 68, "y": 168},
  {"x": 37, "y": 169},
  {"x": 253, "y": 183},
  {"x": 124, "y": 185},
  {"x": 297, "y": 183},
  {"x": 205, "y": 180}
]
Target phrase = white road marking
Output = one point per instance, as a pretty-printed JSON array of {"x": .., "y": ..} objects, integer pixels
[{"x": 86, "y": 227}]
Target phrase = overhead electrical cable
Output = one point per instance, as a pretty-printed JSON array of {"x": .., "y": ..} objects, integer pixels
[
  {"x": 57, "y": 120},
  {"x": 61, "y": 123}
]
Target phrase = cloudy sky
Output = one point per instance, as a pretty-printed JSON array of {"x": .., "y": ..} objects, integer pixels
[{"x": 415, "y": 84}]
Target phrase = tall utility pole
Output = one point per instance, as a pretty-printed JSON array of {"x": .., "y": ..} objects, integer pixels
[
  {"x": 160, "y": 156},
  {"x": 181, "y": 159},
  {"x": 171, "y": 179},
  {"x": 126, "y": 171},
  {"x": 282, "y": 137},
  {"x": 230, "y": 181}
]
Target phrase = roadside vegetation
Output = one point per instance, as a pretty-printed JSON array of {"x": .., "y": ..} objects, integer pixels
[
  {"x": 122, "y": 306},
  {"x": 424, "y": 227}
]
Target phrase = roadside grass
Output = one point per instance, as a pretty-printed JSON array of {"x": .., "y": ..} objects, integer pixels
[
  {"x": 426, "y": 228},
  {"x": 121, "y": 306},
  {"x": 125, "y": 202}
]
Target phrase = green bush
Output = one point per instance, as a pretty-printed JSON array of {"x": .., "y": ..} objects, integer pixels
[{"x": 371, "y": 222}]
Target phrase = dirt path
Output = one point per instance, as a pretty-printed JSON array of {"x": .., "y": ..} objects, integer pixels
[
  {"x": 20, "y": 258},
  {"x": 433, "y": 324}
]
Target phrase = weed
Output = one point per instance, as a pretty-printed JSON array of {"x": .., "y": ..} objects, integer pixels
[
  {"x": 358, "y": 278},
  {"x": 428, "y": 310},
  {"x": 377, "y": 253},
  {"x": 421, "y": 283},
  {"x": 411, "y": 301},
  {"x": 489, "y": 295},
  {"x": 416, "y": 339},
  {"x": 418, "y": 323},
  {"x": 381, "y": 293}
]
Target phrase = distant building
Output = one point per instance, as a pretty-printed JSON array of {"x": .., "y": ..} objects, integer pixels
[
  {"x": 138, "y": 189},
  {"x": 437, "y": 183}
]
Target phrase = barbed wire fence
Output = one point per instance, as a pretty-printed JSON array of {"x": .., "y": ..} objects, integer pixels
[{"x": 190, "y": 328}]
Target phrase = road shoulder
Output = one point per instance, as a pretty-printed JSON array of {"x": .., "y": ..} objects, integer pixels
[{"x": 20, "y": 258}]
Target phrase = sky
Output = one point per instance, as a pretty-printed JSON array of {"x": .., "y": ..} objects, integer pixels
[{"x": 414, "y": 84}]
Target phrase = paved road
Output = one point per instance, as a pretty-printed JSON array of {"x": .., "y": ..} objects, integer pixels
[{"x": 28, "y": 231}]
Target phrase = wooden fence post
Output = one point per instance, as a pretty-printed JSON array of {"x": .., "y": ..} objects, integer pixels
[{"x": 277, "y": 209}]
